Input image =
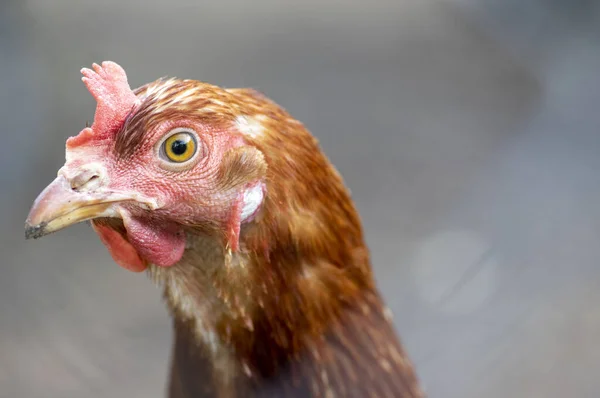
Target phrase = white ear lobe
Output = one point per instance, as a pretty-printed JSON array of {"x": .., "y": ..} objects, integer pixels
[
  {"x": 244, "y": 209},
  {"x": 252, "y": 199}
]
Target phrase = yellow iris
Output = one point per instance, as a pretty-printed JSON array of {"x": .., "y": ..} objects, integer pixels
[{"x": 180, "y": 147}]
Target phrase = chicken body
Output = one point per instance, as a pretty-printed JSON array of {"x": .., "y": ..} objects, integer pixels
[{"x": 254, "y": 238}]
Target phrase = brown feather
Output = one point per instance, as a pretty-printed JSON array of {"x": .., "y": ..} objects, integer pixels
[{"x": 294, "y": 312}]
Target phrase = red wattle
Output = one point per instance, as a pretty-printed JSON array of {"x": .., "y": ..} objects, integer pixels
[
  {"x": 122, "y": 252},
  {"x": 159, "y": 243}
]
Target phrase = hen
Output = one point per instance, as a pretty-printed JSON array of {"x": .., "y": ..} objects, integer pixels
[{"x": 228, "y": 202}]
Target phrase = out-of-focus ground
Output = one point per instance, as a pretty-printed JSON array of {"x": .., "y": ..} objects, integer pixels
[{"x": 468, "y": 131}]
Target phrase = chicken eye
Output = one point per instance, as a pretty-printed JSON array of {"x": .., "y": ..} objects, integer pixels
[{"x": 180, "y": 147}]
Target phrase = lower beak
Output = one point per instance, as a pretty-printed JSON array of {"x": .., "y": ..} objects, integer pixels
[{"x": 59, "y": 206}]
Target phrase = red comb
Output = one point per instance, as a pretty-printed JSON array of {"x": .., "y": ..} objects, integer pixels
[{"x": 115, "y": 99}]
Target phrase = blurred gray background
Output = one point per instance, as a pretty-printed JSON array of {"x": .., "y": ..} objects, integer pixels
[{"x": 467, "y": 130}]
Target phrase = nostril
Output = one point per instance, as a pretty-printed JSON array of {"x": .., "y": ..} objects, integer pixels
[{"x": 85, "y": 181}]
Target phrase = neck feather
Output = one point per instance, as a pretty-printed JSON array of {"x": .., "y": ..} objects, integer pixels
[{"x": 299, "y": 281}]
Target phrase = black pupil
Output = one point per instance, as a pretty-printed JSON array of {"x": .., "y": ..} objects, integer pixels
[{"x": 179, "y": 147}]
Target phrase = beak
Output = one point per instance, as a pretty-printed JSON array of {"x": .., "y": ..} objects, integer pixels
[{"x": 60, "y": 206}]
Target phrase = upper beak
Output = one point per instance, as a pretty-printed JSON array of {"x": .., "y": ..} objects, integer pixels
[{"x": 59, "y": 206}]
